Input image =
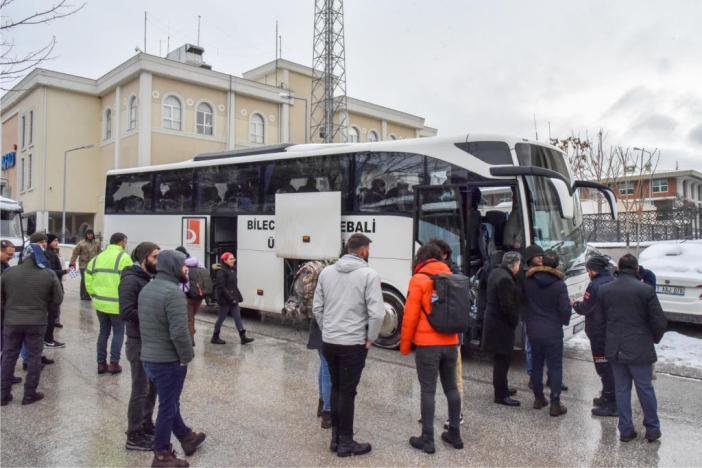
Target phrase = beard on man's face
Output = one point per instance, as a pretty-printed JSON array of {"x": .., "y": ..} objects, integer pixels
[
  {"x": 150, "y": 267},
  {"x": 183, "y": 278}
]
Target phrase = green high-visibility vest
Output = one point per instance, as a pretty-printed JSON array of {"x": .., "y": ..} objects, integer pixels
[{"x": 102, "y": 278}]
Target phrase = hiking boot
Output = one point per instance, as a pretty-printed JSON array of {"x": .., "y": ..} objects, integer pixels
[
  {"x": 320, "y": 407},
  {"x": 244, "y": 338},
  {"x": 6, "y": 399},
  {"x": 16, "y": 380},
  {"x": 334, "y": 444},
  {"x": 424, "y": 442},
  {"x": 192, "y": 441},
  {"x": 148, "y": 429},
  {"x": 629, "y": 437},
  {"x": 540, "y": 402},
  {"x": 652, "y": 436},
  {"x": 137, "y": 440},
  {"x": 600, "y": 400},
  {"x": 446, "y": 424},
  {"x": 215, "y": 339},
  {"x": 168, "y": 459},
  {"x": 54, "y": 344},
  {"x": 557, "y": 409},
  {"x": 29, "y": 399},
  {"x": 453, "y": 437},
  {"x": 349, "y": 447},
  {"x": 46, "y": 360},
  {"x": 608, "y": 409},
  {"x": 114, "y": 368},
  {"x": 326, "y": 419},
  {"x": 102, "y": 367}
]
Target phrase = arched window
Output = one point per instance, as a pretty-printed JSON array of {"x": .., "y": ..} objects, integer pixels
[
  {"x": 108, "y": 124},
  {"x": 372, "y": 136},
  {"x": 172, "y": 113},
  {"x": 204, "y": 119},
  {"x": 353, "y": 135},
  {"x": 132, "y": 113},
  {"x": 257, "y": 131}
]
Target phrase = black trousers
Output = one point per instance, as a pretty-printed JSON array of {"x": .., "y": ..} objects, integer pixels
[
  {"x": 346, "y": 365},
  {"x": 143, "y": 397},
  {"x": 32, "y": 336},
  {"x": 500, "y": 368},
  {"x": 602, "y": 365},
  {"x": 51, "y": 320},
  {"x": 83, "y": 292}
]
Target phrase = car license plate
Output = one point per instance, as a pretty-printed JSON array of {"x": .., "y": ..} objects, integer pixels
[
  {"x": 672, "y": 290},
  {"x": 578, "y": 328}
]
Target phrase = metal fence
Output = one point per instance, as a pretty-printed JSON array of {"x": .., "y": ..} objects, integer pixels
[{"x": 650, "y": 226}]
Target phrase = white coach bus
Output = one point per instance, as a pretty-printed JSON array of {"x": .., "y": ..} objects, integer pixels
[{"x": 399, "y": 193}]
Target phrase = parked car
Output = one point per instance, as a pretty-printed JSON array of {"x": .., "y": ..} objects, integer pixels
[{"x": 678, "y": 269}]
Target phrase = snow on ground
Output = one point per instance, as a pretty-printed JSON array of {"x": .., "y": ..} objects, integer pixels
[{"x": 675, "y": 349}]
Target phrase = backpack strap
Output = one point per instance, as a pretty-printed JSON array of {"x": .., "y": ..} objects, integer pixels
[{"x": 420, "y": 302}]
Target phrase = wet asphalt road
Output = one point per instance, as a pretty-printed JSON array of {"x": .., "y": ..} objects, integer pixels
[{"x": 257, "y": 405}]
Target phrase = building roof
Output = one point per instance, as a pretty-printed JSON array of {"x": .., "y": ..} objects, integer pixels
[{"x": 657, "y": 175}]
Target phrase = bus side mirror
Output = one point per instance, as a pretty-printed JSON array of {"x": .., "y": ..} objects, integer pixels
[
  {"x": 603, "y": 189},
  {"x": 565, "y": 199}
]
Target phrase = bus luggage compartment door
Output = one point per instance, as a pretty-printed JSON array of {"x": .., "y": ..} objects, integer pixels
[{"x": 308, "y": 225}]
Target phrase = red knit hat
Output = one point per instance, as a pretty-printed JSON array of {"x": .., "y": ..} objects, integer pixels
[{"x": 225, "y": 256}]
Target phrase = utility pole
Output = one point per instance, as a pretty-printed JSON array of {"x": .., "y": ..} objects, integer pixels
[
  {"x": 329, "y": 72},
  {"x": 144, "y": 32},
  {"x": 198, "y": 30}
]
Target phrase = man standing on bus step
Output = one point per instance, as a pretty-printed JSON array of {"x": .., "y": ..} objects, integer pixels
[
  {"x": 85, "y": 251},
  {"x": 28, "y": 291},
  {"x": 348, "y": 306},
  {"x": 140, "y": 430},
  {"x": 102, "y": 278},
  {"x": 606, "y": 403},
  {"x": 630, "y": 313}
]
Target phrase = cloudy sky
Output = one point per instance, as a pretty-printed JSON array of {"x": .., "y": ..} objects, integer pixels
[{"x": 631, "y": 67}]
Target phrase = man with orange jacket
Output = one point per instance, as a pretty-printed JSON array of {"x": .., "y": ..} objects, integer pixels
[{"x": 436, "y": 353}]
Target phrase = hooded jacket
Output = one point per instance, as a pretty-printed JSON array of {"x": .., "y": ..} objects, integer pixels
[
  {"x": 133, "y": 280},
  {"x": 163, "y": 314},
  {"x": 29, "y": 291},
  {"x": 348, "y": 302},
  {"x": 415, "y": 325},
  {"x": 548, "y": 307},
  {"x": 85, "y": 251}
]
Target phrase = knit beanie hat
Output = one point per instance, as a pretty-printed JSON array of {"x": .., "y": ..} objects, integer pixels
[
  {"x": 38, "y": 237},
  {"x": 532, "y": 251},
  {"x": 50, "y": 238},
  {"x": 143, "y": 250},
  {"x": 597, "y": 263}
]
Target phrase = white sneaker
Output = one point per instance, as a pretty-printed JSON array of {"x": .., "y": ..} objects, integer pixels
[{"x": 446, "y": 426}]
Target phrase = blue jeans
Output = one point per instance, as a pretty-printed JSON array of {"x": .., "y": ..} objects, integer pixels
[
  {"x": 528, "y": 357},
  {"x": 550, "y": 352},
  {"x": 169, "y": 378},
  {"x": 225, "y": 310},
  {"x": 110, "y": 322},
  {"x": 642, "y": 376},
  {"x": 324, "y": 382},
  {"x": 23, "y": 353}
]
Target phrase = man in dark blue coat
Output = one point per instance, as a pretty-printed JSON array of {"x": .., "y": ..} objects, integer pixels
[
  {"x": 606, "y": 403},
  {"x": 547, "y": 312},
  {"x": 629, "y": 311}
]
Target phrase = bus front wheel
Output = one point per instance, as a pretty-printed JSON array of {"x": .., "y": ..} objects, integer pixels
[{"x": 389, "y": 336}]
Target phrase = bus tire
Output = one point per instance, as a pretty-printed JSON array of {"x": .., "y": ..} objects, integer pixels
[{"x": 389, "y": 337}]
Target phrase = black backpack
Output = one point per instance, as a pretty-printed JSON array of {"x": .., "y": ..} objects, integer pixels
[
  {"x": 451, "y": 303},
  {"x": 200, "y": 283}
]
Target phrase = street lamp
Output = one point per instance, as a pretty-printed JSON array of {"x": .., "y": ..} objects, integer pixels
[
  {"x": 290, "y": 97},
  {"x": 65, "y": 154}
]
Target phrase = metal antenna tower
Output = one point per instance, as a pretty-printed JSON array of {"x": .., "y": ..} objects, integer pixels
[{"x": 329, "y": 72}]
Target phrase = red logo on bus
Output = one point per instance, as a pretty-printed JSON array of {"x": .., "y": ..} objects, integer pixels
[{"x": 193, "y": 232}]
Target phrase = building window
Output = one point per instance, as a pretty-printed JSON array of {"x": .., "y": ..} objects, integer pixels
[
  {"x": 172, "y": 113},
  {"x": 372, "y": 136},
  {"x": 626, "y": 188},
  {"x": 256, "y": 129},
  {"x": 108, "y": 124},
  {"x": 31, "y": 128},
  {"x": 23, "y": 131},
  {"x": 204, "y": 119},
  {"x": 660, "y": 186},
  {"x": 132, "y": 113},
  {"x": 22, "y": 175},
  {"x": 353, "y": 135},
  {"x": 29, "y": 171}
]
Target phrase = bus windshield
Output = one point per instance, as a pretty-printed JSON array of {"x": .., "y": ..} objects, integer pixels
[{"x": 10, "y": 224}]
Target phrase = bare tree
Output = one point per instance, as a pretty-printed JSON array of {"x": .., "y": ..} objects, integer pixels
[{"x": 13, "y": 66}]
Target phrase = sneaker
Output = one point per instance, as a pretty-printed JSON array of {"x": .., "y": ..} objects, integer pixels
[
  {"x": 54, "y": 344},
  {"x": 138, "y": 441},
  {"x": 148, "y": 429},
  {"x": 446, "y": 424}
]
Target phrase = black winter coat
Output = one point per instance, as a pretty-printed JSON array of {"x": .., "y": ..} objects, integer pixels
[
  {"x": 55, "y": 263},
  {"x": 504, "y": 298},
  {"x": 133, "y": 280},
  {"x": 548, "y": 308},
  {"x": 588, "y": 305},
  {"x": 632, "y": 318},
  {"x": 227, "y": 286}
]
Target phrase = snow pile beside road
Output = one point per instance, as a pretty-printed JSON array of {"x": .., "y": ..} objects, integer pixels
[
  {"x": 678, "y": 260},
  {"x": 675, "y": 349}
]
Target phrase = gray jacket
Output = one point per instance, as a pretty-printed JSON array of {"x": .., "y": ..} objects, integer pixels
[
  {"x": 348, "y": 302},
  {"x": 163, "y": 314}
]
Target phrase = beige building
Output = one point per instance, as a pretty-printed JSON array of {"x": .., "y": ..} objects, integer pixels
[{"x": 151, "y": 110}]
